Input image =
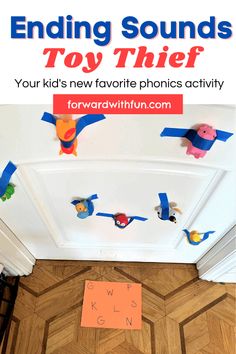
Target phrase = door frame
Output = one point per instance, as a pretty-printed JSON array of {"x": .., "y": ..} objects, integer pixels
[
  {"x": 14, "y": 256},
  {"x": 216, "y": 265}
]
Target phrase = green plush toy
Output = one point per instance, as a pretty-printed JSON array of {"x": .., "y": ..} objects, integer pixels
[{"x": 9, "y": 192}]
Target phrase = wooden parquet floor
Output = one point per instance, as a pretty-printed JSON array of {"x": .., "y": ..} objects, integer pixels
[{"x": 181, "y": 314}]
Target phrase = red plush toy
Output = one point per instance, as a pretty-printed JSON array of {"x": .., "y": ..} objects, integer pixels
[{"x": 121, "y": 220}]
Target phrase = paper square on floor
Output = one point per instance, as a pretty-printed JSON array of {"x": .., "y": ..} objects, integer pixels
[{"x": 112, "y": 305}]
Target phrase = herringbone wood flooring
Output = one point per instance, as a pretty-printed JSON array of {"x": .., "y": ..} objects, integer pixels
[{"x": 181, "y": 314}]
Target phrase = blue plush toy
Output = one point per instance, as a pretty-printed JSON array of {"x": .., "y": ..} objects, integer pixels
[{"x": 84, "y": 207}]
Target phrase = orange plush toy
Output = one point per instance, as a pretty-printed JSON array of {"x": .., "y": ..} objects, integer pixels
[
  {"x": 68, "y": 129},
  {"x": 66, "y": 132}
]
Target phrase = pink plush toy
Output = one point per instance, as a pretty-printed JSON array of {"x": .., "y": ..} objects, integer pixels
[
  {"x": 206, "y": 132},
  {"x": 200, "y": 141}
]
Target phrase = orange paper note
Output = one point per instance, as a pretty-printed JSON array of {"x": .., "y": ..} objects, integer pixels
[{"x": 112, "y": 305}]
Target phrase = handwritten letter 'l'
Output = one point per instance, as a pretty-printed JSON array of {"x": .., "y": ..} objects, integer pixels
[{"x": 112, "y": 305}]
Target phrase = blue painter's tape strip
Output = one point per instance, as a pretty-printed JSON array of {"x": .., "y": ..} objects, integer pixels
[
  {"x": 106, "y": 215},
  {"x": 191, "y": 135},
  {"x": 75, "y": 202},
  {"x": 174, "y": 132},
  {"x": 199, "y": 142},
  {"x": 90, "y": 206},
  {"x": 92, "y": 197},
  {"x": 67, "y": 144},
  {"x": 87, "y": 120},
  {"x": 222, "y": 135},
  {"x": 196, "y": 140},
  {"x": 6, "y": 176},
  {"x": 164, "y": 206},
  {"x": 207, "y": 234},
  {"x": 140, "y": 218},
  {"x": 49, "y": 118}
]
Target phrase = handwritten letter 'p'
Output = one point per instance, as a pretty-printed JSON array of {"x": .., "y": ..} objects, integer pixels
[{"x": 112, "y": 305}]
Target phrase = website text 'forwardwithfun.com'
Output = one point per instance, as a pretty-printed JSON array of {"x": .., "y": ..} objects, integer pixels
[{"x": 118, "y": 104}]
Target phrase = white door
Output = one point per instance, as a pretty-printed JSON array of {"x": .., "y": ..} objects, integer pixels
[{"x": 126, "y": 163}]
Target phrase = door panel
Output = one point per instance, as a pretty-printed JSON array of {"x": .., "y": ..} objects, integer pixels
[{"x": 124, "y": 161}]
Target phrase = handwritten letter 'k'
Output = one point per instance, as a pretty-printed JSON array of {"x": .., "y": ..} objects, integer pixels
[{"x": 112, "y": 305}]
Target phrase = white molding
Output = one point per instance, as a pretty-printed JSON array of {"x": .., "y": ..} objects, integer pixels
[
  {"x": 14, "y": 256},
  {"x": 122, "y": 255},
  {"x": 29, "y": 175},
  {"x": 209, "y": 190},
  {"x": 40, "y": 207},
  {"x": 140, "y": 165},
  {"x": 229, "y": 277},
  {"x": 220, "y": 260}
]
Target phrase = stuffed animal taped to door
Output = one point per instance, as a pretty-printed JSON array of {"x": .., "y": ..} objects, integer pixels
[
  {"x": 166, "y": 210},
  {"x": 122, "y": 220},
  {"x": 195, "y": 238},
  {"x": 84, "y": 207},
  {"x": 7, "y": 189},
  {"x": 68, "y": 129},
  {"x": 200, "y": 140}
]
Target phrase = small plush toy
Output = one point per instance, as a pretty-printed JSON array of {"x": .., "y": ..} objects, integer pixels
[
  {"x": 200, "y": 141},
  {"x": 7, "y": 189},
  {"x": 166, "y": 210},
  {"x": 9, "y": 192},
  {"x": 84, "y": 207},
  {"x": 68, "y": 129},
  {"x": 195, "y": 238},
  {"x": 205, "y": 132},
  {"x": 122, "y": 220}
]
